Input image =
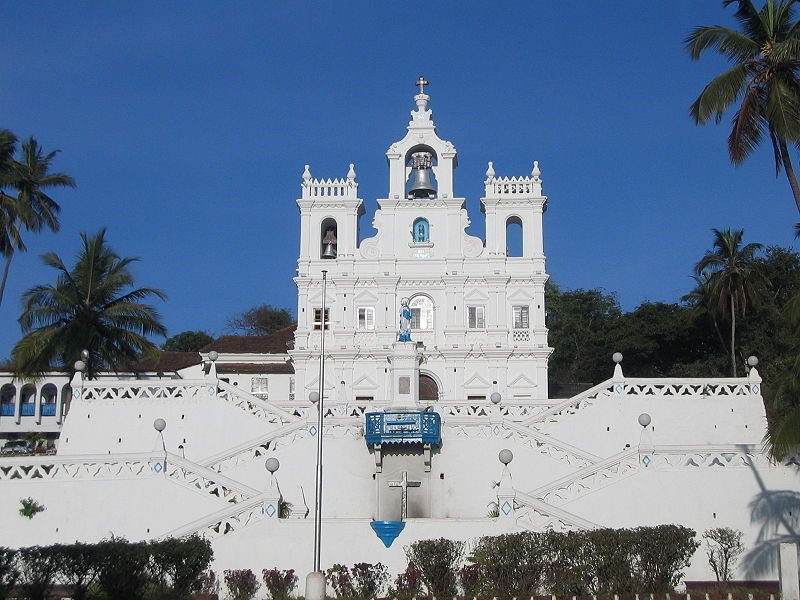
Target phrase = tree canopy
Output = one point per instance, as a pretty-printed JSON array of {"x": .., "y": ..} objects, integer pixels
[
  {"x": 93, "y": 306},
  {"x": 763, "y": 80},
  {"x": 260, "y": 320},
  {"x": 187, "y": 341},
  {"x": 24, "y": 201}
]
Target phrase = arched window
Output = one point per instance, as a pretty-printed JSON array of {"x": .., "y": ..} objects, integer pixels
[
  {"x": 421, "y": 312},
  {"x": 422, "y": 231},
  {"x": 328, "y": 237},
  {"x": 514, "y": 246}
]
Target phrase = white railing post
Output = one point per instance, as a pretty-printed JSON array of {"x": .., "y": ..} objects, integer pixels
[{"x": 790, "y": 581}]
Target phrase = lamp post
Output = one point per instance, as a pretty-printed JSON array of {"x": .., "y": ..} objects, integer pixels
[{"x": 315, "y": 581}]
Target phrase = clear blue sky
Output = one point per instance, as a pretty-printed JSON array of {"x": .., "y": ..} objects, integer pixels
[{"x": 187, "y": 125}]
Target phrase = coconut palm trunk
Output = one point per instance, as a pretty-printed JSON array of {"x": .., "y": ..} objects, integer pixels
[
  {"x": 6, "y": 268},
  {"x": 733, "y": 337}
]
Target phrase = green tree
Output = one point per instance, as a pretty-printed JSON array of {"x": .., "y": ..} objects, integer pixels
[
  {"x": 765, "y": 53},
  {"x": 783, "y": 396},
  {"x": 30, "y": 208},
  {"x": 92, "y": 307},
  {"x": 734, "y": 282},
  {"x": 581, "y": 325},
  {"x": 260, "y": 320},
  {"x": 187, "y": 341}
]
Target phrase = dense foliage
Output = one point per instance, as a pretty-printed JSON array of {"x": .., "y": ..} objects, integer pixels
[
  {"x": 92, "y": 306},
  {"x": 24, "y": 201},
  {"x": 164, "y": 570},
  {"x": 260, "y": 320},
  {"x": 688, "y": 338},
  {"x": 187, "y": 341}
]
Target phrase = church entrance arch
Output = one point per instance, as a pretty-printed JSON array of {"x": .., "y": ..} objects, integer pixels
[{"x": 428, "y": 388}]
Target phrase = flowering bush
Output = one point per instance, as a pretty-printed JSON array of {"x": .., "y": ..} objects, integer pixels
[
  {"x": 241, "y": 583},
  {"x": 279, "y": 583}
]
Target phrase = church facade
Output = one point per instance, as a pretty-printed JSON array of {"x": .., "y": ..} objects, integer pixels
[{"x": 433, "y": 400}]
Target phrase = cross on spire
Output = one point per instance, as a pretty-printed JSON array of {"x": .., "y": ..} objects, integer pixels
[
  {"x": 404, "y": 484},
  {"x": 422, "y": 82}
]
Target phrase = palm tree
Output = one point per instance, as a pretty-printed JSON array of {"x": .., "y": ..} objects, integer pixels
[
  {"x": 90, "y": 307},
  {"x": 32, "y": 209},
  {"x": 766, "y": 57},
  {"x": 733, "y": 280},
  {"x": 783, "y": 397}
]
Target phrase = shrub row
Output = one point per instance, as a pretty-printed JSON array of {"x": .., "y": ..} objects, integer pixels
[
  {"x": 111, "y": 569},
  {"x": 580, "y": 563}
]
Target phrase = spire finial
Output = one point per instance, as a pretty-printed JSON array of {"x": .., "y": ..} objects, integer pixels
[
  {"x": 490, "y": 172},
  {"x": 422, "y": 82},
  {"x": 537, "y": 172},
  {"x": 306, "y": 175},
  {"x": 351, "y": 174}
]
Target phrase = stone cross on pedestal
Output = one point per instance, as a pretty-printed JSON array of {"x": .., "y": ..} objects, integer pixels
[
  {"x": 421, "y": 82},
  {"x": 404, "y": 484}
]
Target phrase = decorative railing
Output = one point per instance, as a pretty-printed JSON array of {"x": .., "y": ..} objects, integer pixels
[
  {"x": 6, "y": 410},
  {"x": 404, "y": 428},
  {"x": 171, "y": 389},
  {"x": 551, "y": 446},
  {"x": 691, "y": 388},
  {"x": 256, "y": 448},
  {"x": 103, "y": 466},
  {"x": 225, "y": 521},
  {"x": 206, "y": 481},
  {"x": 513, "y": 186},
  {"x": 683, "y": 457},
  {"x": 253, "y": 405},
  {"x": 27, "y": 410},
  {"x": 49, "y": 410},
  {"x": 521, "y": 335},
  {"x": 540, "y": 516},
  {"x": 588, "y": 479},
  {"x": 330, "y": 188},
  {"x": 571, "y": 405}
]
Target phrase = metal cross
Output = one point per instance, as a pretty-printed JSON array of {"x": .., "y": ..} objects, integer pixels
[
  {"x": 404, "y": 484},
  {"x": 422, "y": 82}
]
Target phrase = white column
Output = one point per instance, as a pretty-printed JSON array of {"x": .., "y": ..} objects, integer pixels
[
  {"x": 17, "y": 405},
  {"x": 37, "y": 410},
  {"x": 790, "y": 581}
]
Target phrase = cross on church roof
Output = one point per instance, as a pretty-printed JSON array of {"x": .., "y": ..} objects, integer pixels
[{"x": 422, "y": 82}]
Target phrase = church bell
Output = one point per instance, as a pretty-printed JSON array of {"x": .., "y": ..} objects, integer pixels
[
  {"x": 329, "y": 244},
  {"x": 422, "y": 176}
]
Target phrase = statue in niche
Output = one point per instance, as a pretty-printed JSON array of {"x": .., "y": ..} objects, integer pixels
[{"x": 405, "y": 322}]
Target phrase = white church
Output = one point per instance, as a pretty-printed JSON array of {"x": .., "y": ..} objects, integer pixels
[{"x": 425, "y": 350}]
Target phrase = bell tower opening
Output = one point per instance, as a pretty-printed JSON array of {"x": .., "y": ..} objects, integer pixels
[
  {"x": 514, "y": 247},
  {"x": 422, "y": 181},
  {"x": 328, "y": 238}
]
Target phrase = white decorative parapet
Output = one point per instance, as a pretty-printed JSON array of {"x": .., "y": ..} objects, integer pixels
[
  {"x": 514, "y": 187},
  {"x": 540, "y": 516},
  {"x": 685, "y": 457},
  {"x": 206, "y": 481},
  {"x": 330, "y": 188},
  {"x": 101, "y": 466},
  {"x": 692, "y": 388},
  {"x": 169, "y": 389},
  {"x": 253, "y": 405},
  {"x": 589, "y": 479},
  {"x": 256, "y": 448},
  {"x": 226, "y": 520}
]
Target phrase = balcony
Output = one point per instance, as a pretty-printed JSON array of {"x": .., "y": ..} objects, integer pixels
[{"x": 404, "y": 428}]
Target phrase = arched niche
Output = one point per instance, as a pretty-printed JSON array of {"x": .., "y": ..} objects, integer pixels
[
  {"x": 328, "y": 238},
  {"x": 514, "y": 236},
  {"x": 421, "y": 231},
  {"x": 421, "y": 161}
]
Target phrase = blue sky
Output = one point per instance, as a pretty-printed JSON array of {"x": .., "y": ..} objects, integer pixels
[{"x": 187, "y": 125}]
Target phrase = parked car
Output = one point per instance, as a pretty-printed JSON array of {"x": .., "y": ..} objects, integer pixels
[{"x": 17, "y": 447}]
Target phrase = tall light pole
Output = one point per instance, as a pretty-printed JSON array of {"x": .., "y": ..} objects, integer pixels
[{"x": 315, "y": 581}]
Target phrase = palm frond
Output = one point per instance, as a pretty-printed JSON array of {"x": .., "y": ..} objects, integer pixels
[{"x": 719, "y": 95}]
